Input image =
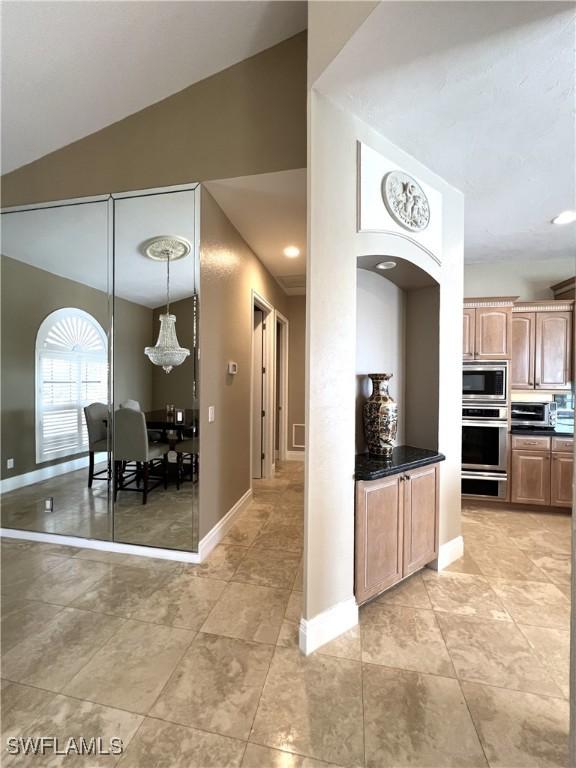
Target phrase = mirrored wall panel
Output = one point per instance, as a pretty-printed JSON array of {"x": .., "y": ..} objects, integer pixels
[
  {"x": 156, "y": 436},
  {"x": 55, "y": 400}
]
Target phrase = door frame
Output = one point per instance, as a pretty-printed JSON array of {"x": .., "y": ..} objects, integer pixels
[
  {"x": 262, "y": 304},
  {"x": 282, "y": 406}
]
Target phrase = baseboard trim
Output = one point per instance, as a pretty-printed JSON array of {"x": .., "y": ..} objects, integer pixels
[
  {"x": 45, "y": 473},
  {"x": 448, "y": 552},
  {"x": 103, "y": 546},
  {"x": 217, "y": 533},
  {"x": 295, "y": 455},
  {"x": 327, "y": 625}
]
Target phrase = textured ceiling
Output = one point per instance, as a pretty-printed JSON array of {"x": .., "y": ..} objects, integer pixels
[
  {"x": 483, "y": 94},
  {"x": 71, "y": 68}
]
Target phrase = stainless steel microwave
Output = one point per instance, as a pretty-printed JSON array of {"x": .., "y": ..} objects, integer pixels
[{"x": 485, "y": 382}]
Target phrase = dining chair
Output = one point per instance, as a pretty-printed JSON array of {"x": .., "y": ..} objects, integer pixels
[
  {"x": 187, "y": 453},
  {"x": 133, "y": 447},
  {"x": 96, "y": 415},
  {"x": 153, "y": 434}
]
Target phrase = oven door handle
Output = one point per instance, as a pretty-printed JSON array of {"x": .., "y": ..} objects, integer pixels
[
  {"x": 473, "y": 475},
  {"x": 480, "y": 423}
]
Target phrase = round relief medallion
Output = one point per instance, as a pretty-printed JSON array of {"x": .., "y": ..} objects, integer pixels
[{"x": 405, "y": 201}]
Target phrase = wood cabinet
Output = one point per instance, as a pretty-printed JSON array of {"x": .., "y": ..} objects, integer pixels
[
  {"x": 553, "y": 350},
  {"x": 561, "y": 479},
  {"x": 487, "y": 328},
  {"x": 523, "y": 350},
  {"x": 396, "y": 530},
  {"x": 469, "y": 334},
  {"x": 540, "y": 475},
  {"x": 541, "y": 346},
  {"x": 493, "y": 333},
  {"x": 530, "y": 477},
  {"x": 420, "y": 518}
]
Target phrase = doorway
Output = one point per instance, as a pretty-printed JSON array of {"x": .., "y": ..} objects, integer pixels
[
  {"x": 258, "y": 391},
  {"x": 281, "y": 388}
]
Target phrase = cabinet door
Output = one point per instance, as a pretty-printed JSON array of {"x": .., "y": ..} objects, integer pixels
[
  {"x": 531, "y": 477},
  {"x": 378, "y": 536},
  {"x": 553, "y": 350},
  {"x": 523, "y": 348},
  {"x": 420, "y": 518},
  {"x": 469, "y": 331},
  {"x": 493, "y": 334},
  {"x": 561, "y": 482}
]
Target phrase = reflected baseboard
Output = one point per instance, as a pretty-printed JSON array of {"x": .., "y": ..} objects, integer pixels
[
  {"x": 45, "y": 473},
  {"x": 103, "y": 546}
]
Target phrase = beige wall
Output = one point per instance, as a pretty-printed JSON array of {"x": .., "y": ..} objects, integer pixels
[
  {"x": 28, "y": 296},
  {"x": 248, "y": 119},
  {"x": 422, "y": 370},
  {"x": 530, "y": 280},
  {"x": 229, "y": 272},
  {"x": 296, "y": 365}
]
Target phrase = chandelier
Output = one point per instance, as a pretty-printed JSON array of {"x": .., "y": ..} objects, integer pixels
[{"x": 167, "y": 353}]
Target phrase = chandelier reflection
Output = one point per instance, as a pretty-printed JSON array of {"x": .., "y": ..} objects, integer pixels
[{"x": 167, "y": 352}]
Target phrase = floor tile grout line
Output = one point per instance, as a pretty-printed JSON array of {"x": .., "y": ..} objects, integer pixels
[{"x": 473, "y": 721}]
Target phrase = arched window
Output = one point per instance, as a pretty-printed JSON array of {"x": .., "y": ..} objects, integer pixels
[{"x": 71, "y": 372}]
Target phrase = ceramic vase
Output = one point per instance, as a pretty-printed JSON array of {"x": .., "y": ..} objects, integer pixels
[{"x": 380, "y": 417}]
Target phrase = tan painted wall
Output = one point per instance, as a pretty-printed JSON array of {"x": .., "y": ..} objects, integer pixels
[
  {"x": 248, "y": 119},
  {"x": 296, "y": 365},
  {"x": 28, "y": 296},
  {"x": 229, "y": 271}
]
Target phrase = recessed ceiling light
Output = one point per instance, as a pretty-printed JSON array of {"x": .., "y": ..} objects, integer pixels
[
  {"x": 566, "y": 217},
  {"x": 386, "y": 265},
  {"x": 291, "y": 251}
]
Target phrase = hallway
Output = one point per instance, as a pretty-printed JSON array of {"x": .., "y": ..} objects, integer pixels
[{"x": 197, "y": 666}]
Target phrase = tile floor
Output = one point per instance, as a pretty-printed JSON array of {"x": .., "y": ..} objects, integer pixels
[
  {"x": 169, "y": 519},
  {"x": 198, "y": 666}
]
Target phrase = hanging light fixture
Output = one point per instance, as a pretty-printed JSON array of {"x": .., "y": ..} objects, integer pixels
[{"x": 167, "y": 353}]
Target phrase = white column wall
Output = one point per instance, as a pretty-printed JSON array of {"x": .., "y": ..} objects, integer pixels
[{"x": 333, "y": 247}]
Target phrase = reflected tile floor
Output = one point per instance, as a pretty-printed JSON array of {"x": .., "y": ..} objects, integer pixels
[
  {"x": 168, "y": 519},
  {"x": 198, "y": 666}
]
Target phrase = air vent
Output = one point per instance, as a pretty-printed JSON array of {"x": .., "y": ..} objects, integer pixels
[{"x": 294, "y": 285}]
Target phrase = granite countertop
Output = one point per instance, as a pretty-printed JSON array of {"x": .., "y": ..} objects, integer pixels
[
  {"x": 533, "y": 432},
  {"x": 403, "y": 458}
]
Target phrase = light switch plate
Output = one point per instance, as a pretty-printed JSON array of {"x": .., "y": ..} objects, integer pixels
[
  {"x": 9, "y": 463},
  {"x": 211, "y": 415}
]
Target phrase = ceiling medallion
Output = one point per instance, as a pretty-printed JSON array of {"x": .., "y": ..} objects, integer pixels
[
  {"x": 405, "y": 201},
  {"x": 167, "y": 247}
]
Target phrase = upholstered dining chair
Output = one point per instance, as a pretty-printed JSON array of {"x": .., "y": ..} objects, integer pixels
[
  {"x": 187, "y": 452},
  {"x": 96, "y": 415},
  {"x": 132, "y": 446},
  {"x": 153, "y": 434}
]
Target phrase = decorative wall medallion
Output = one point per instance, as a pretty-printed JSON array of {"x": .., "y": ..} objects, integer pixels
[{"x": 405, "y": 201}]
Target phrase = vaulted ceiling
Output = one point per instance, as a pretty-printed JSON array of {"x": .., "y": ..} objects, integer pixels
[{"x": 72, "y": 68}]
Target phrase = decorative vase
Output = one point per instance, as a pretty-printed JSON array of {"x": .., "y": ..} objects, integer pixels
[{"x": 380, "y": 417}]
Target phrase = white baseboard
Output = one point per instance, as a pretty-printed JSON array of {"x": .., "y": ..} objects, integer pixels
[
  {"x": 327, "y": 625},
  {"x": 103, "y": 546},
  {"x": 295, "y": 455},
  {"x": 45, "y": 473},
  {"x": 217, "y": 533},
  {"x": 448, "y": 553}
]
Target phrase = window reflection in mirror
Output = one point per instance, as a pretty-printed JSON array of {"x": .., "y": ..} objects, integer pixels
[{"x": 56, "y": 310}]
